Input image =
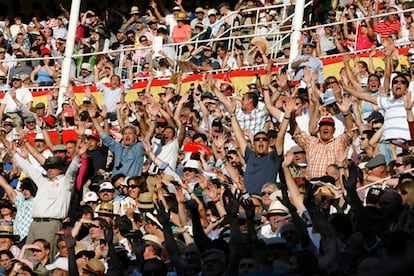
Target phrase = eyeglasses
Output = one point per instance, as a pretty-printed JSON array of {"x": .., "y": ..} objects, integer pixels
[
  {"x": 132, "y": 186},
  {"x": 189, "y": 170},
  {"x": 399, "y": 81},
  {"x": 397, "y": 165},
  {"x": 266, "y": 193},
  {"x": 264, "y": 139},
  {"x": 307, "y": 46},
  {"x": 145, "y": 67},
  {"x": 379, "y": 71}
]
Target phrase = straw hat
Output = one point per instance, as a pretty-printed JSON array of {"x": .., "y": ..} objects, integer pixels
[
  {"x": 106, "y": 209},
  {"x": 134, "y": 10},
  {"x": 260, "y": 43},
  {"x": 6, "y": 231},
  {"x": 182, "y": 16}
]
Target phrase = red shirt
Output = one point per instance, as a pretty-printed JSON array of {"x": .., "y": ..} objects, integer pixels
[{"x": 384, "y": 28}]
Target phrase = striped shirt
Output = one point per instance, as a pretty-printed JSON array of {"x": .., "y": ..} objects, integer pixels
[
  {"x": 395, "y": 118},
  {"x": 384, "y": 28}
]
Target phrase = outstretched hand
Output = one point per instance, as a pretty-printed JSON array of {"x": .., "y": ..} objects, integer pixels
[
  {"x": 162, "y": 214},
  {"x": 350, "y": 182}
]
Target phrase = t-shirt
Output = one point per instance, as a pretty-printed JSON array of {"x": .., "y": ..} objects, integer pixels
[{"x": 260, "y": 170}]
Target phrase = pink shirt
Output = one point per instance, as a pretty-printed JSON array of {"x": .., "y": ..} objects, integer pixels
[{"x": 181, "y": 34}]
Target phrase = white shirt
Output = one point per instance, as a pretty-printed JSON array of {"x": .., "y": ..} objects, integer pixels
[
  {"x": 22, "y": 94},
  {"x": 53, "y": 196}
]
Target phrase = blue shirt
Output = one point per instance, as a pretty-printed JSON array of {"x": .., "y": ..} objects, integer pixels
[
  {"x": 260, "y": 170},
  {"x": 128, "y": 161}
]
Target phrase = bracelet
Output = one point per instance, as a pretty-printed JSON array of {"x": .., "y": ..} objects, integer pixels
[
  {"x": 216, "y": 201},
  {"x": 347, "y": 114},
  {"x": 232, "y": 115},
  {"x": 287, "y": 118},
  {"x": 224, "y": 160}
]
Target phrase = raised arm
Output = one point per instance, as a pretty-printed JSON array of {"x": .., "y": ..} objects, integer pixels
[{"x": 8, "y": 189}]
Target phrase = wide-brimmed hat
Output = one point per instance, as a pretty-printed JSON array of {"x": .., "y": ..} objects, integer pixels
[
  {"x": 9, "y": 121},
  {"x": 277, "y": 208},
  {"x": 95, "y": 266},
  {"x": 61, "y": 263},
  {"x": 134, "y": 10},
  {"x": 152, "y": 240},
  {"x": 54, "y": 162},
  {"x": 152, "y": 19},
  {"x": 59, "y": 147},
  {"x": 106, "y": 209},
  {"x": 6, "y": 231},
  {"x": 182, "y": 16},
  {"x": 260, "y": 43},
  {"x": 81, "y": 248}
]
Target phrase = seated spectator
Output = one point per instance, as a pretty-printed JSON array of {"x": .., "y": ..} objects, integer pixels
[{"x": 43, "y": 73}]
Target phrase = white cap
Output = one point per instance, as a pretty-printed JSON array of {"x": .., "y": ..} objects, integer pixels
[
  {"x": 39, "y": 136},
  {"x": 211, "y": 12},
  {"x": 90, "y": 197},
  {"x": 106, "y": 186},
  {"x": 192, "y": 164}
]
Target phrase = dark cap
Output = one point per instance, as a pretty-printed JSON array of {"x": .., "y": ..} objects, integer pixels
[
  {"x": 59, "y": 147},
  {"x": 309, "y": 44},
  {"x": 373, "y": 195},
  {"x": 54, "y": 163},
  {"x": 30, "y": 119},
  {"x": 208, "y": 95},
  {"x": 375, "y": 115},
  {"x": 376, "y": 161},
  {"x": 40, "y": 105},
  {"x": 224, "y": 4}
]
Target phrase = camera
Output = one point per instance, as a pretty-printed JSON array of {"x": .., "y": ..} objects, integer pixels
[
  {"x": 120, "y": 165},
  {"x": 84, "y": 115}
]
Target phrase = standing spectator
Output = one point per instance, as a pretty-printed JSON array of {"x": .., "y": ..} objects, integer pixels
[
  {"x": 86, "y": 77},
  {"x": 391, "y": 24},
  {"x": 307, "y": 59},
  {"x": 182, "y": 31},
  {"x": 200, "y": 18},
  {"x": 115, "y": 93},
  {"x": 51, "y": 204},
  {"x": 17, "y": 101},
  {"x": 17, "y": 27},
  {"x": 23, "y": 200},
  {"x": 132, "y": 21},
  {"x": 60, "y": 31}
]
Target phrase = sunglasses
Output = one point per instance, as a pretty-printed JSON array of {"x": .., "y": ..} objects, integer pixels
[
  {"x": 132, "y": 186},
  {"x": 266, "y": 193},
  {"x": 398, "y": 165},
  {"x": 330, "y": 82},
  {"x": 399, "y": 81},
  {"x": 264, "y": 139},
  {"x": 189, "y": 170}
]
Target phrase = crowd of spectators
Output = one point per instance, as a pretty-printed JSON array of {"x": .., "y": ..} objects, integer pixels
[{"x": 298, "y": 173}]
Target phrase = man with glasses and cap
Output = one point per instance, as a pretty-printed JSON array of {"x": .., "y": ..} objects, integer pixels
[
  {"x": 307, "y": 59},
  {"x": 17, "y": 101}
]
